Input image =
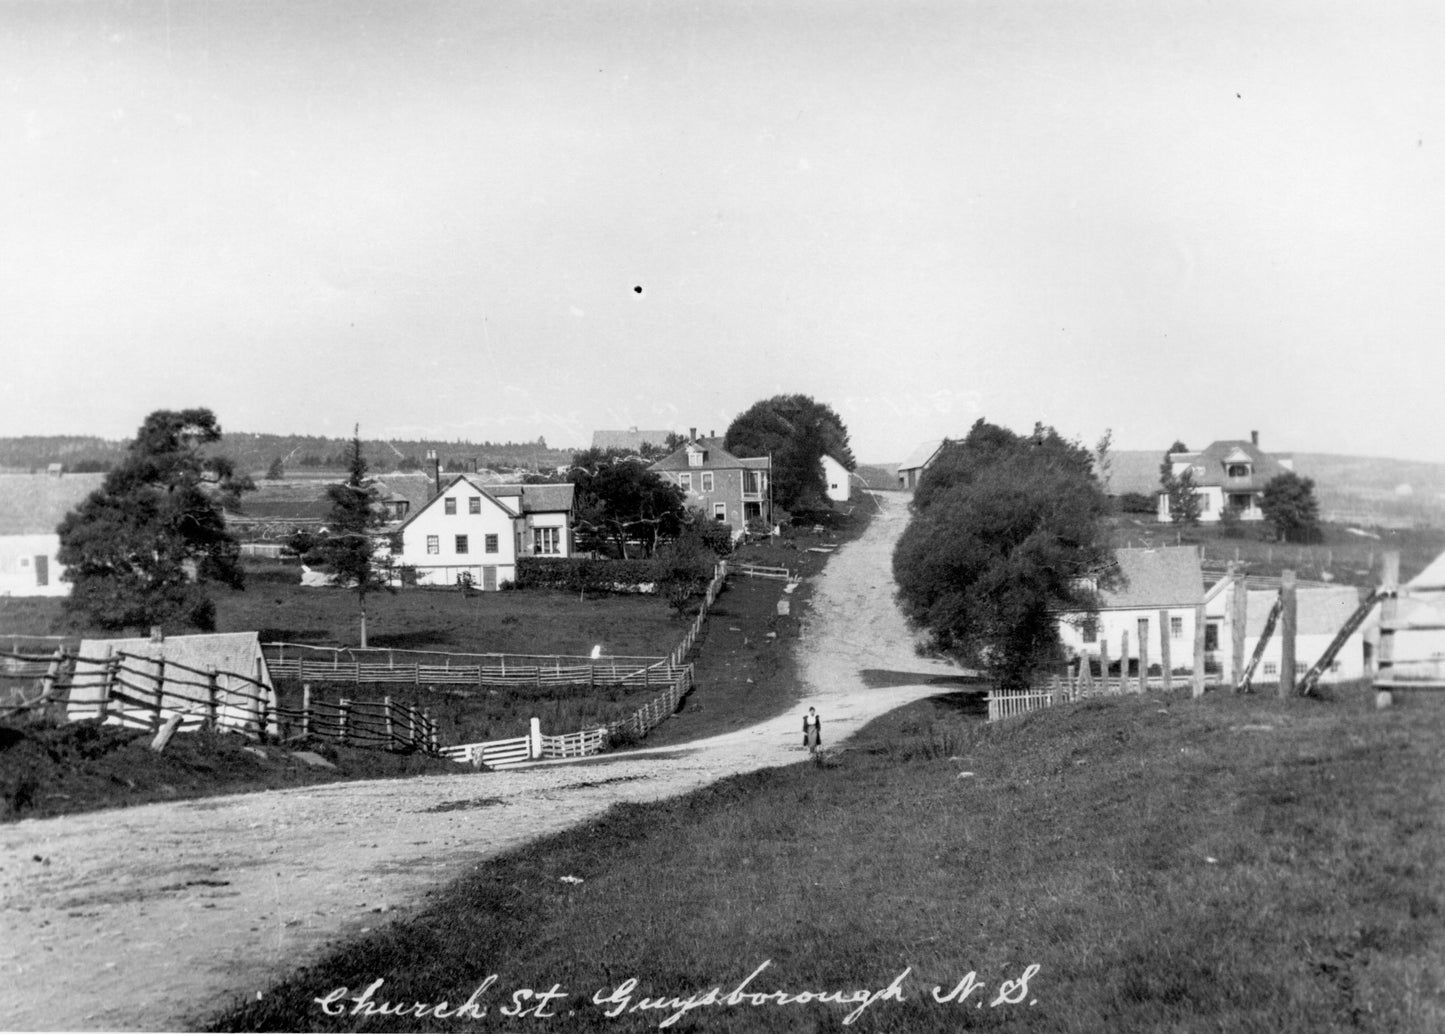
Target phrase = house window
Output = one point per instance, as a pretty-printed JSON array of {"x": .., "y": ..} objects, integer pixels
[
  {"x": 1204, "y": 501},
  {"x": 449, "y": 506},
  {"x": 474, "y": 504},
  {"x": 1239, "y": 501},
  {"x": 548, "y": 541},
  {"x": 1271, "y": 668},
  {"x": 696, "y": 457},
  {"x": 1239, "y": 470},
  {"x": 685, "y": 482},
  {"x": 461, "y": 543},
  {"x": 1176, "y": 627},
  {"x": 433, "y": 544},
  {"x": 719, "y": 511},
  {"x": 491, "y": 543},
  {"x": 707, "y": 481},
  {"x": 1091, "y": 629}
]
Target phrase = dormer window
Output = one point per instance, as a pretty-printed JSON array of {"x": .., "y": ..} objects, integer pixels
[
  {"x": 696, "y": 457},
  {"x": 1238, "y": 470}
]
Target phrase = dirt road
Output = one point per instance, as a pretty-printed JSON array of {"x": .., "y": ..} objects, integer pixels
[{"x": 155, "y": 917}]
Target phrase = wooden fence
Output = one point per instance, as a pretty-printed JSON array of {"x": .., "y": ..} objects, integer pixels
[
  {"x": 139, "y": 691},
  {"x": 302, "y": 663}
]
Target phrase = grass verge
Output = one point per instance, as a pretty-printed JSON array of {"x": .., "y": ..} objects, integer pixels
[{"x": 1235, "y": 863}]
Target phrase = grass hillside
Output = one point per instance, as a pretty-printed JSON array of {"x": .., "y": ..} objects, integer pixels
[{"x": 1236, "y": 863}]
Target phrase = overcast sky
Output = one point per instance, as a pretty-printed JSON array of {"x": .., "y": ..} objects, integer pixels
[{"x": 1177, "y": 220}]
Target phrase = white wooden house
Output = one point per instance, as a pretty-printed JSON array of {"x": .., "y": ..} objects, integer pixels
[
  {"x": 31, "y": 509},
  {"x": 476, "y": 531},
  {"x": 1228, "y": 476},
  {"x": 1321, "y": 610},
  {"x": 837, "y": 482},
  {"x": 1168, "y": 579}
]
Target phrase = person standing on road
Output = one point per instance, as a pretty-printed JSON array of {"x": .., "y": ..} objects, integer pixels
[{"x": 812, "y": 731}]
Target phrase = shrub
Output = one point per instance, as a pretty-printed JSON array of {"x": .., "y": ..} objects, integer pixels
[
  {"x": 581, "y": 574},
  {"x": 1136, "y": 502}
]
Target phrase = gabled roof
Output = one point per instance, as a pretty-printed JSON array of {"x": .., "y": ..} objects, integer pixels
[
  {"x": 35, "y": 504},
  {"x": 1166, "y": 577},
  {"x": 631, "y": 439},
  {"x": 234, "y": 652},
  {"x": 513, "y": 500},
  {"x": 1213, "y": 462},
  {"x": 1319, "y": 610},
  {"x": 715, "y": 457},
  {"x": 922, "y": 455}
]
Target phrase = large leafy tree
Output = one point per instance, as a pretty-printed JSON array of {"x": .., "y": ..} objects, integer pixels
[
  {"x": 796, "y": 431},
  {"x": 348, "y": 551},
  {"x": 619, "y": 499},
  {"x": 140, "y": 550},
  {"x": 1289, "y": 505},
  {"x": 1007, "y": 533}
]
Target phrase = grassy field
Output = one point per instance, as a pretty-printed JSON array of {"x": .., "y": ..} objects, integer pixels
[
  {"x": 1342, "y": 556},
  {"x": 741, "y": 675},
  {"x": 1124, "y": 864}
]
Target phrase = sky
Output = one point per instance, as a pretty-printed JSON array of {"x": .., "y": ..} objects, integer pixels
[{"x": 509, "y": 220}]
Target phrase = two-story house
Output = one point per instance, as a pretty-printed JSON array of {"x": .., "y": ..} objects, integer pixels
[
  {"x": 476, "y": 531},
  {"x": 733, "y": 490},
  {"x": 1229, "y": 475}
]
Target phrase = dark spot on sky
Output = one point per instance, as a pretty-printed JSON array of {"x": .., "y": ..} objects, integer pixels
[{"x": 638, "y": 288}]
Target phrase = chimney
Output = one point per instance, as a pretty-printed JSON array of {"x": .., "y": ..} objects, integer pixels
[
  {"x": 157, "y": 636},
  {"x": 1254, "y": 437},
  {"x": 692, "y": 434},
  {"x": 711, "y": 434}
]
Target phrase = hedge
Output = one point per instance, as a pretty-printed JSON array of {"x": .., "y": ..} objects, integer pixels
[{"x": 585, "y": 574}]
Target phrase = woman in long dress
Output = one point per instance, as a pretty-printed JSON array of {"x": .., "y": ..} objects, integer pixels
[{"x": 812, "y": 731}]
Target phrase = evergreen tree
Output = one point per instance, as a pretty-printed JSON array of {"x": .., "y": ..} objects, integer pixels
[
  {"x": 348, "y": 552},
  {"x": 141, "y": 549}
]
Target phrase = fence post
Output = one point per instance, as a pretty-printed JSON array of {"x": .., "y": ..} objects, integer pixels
[
  {"x": 213, "y": 708},
  {"x": 1389, "y": 611},
  {"x": 1196, "y": 683},
  {"x": 160, "y": 694},
  {"x": 52, "y": 675},
  {"x": 429, "y": 729},
  {"x": 1143, "y": 654},
  {"x": 1287, "y": 624},
  {"x": 1124, "y": 663},
  {"x": 534, "y": 741},
  {"x": 1166, "y": 651},
  {"x": 107, "y": 679},
  {"x": 1241, "y": 618},
  {"x": 305, "y": 710},
  {"x": 342, "y": 706},
  {"x": 1103, "y": 665},
  {"x": 386, "y": 708}
]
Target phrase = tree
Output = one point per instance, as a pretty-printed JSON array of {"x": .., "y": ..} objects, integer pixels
[
  {"x": 1289, "y": 505},
  {"x": 277, "y": 470},
  {"x": 1012, "y": 535},
  {"x": 348, "y": 551},
  {"x": 140, "y": 550},
  {"x": 795, "y": 431},
  {"x": 1104, "y": 457},
  {"x": 1180, "y": 490},
  {"x": 684, "y": 567},
  {"x": 620, "y": 499}
]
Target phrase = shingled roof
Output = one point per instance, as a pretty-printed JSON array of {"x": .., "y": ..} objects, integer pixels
[
  {"x": 1211, "y": 464},
  {"x": 1169, "y": 576}
]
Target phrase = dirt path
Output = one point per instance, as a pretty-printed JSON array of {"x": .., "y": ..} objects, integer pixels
[{"x": 154, "y": 917}]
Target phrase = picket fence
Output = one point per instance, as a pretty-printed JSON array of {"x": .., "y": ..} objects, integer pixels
[{"x": 673, "y": 671}]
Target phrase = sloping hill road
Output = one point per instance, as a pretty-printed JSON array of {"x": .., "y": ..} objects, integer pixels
[{"x": 155, "y": 917}]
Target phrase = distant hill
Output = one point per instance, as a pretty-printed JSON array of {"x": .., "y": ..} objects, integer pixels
[{"x": 299, "y": 454}]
